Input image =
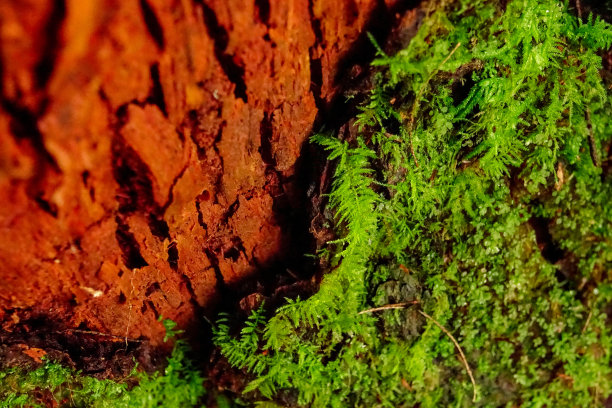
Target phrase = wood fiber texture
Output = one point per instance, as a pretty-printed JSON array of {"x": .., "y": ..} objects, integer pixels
[{"x": 147, "y": 146}]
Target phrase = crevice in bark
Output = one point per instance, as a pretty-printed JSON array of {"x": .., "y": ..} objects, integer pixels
[
  {"x": 235, "y": 250},
  {"x": 221, "y": 284},
  {"x": 158, "y": 226},
  {"x": 231, "y": 210},
  {"x": 353, "y": 67},
  {"x": 313, "y": 172},
  {"x": 379, "y": 25},
  {"x": 156, "y": 96},
  {"x": 52, "y": 44},
  {"x": 175, "y": 180},
  {"x": 315, "y": 24},
  {"x": 192, "y": 300},
  {"x": 200, "y": 215},
  {"x": 263, "y": 10},
  {"x": 151, "y": 305},
  {"x": 152, "y": 288},
  {"x": 316, "y": 70},
  {"x": 133, "y": 176},
  {"x": 132, "y": 258},
  {"x": 265, "y": 149},
  {"x": 173, "y": 255},
  {"x": 233, "y": 71},
  {"x": 153, "y": 24},
  {"x": 316, "y": 80},
  {"x": 23, "y": 124},
  {"x": 46, "y": 206},
  {"x": 190, "y": 122},
  {"x": 85, "y": 178}
]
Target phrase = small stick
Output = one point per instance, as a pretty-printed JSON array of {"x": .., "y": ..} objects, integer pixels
[
  {"x": 579, "y": 9},
  {"x": 586, "y": 324},
  {"x": 127, "y": 327},
  {"x": 592, "y": 145},
  {"x": 463, "y": 359},
  {"x": 391, "y": 306},
  {"x": 449, "y": 55},
  {"x": 95, "y": 333},
  {"x": 455, "y": 342},
  {"x": 293, "y": 275}
]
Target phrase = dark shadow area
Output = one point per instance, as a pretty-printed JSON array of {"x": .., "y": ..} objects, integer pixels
[{"x": 97, "y": 354}]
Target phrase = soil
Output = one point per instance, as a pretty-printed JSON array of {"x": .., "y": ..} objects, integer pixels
[{"x": 153, "y": 162}]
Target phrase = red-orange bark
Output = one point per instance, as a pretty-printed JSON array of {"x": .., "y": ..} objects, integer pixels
[{"x": 145, "y": 145}]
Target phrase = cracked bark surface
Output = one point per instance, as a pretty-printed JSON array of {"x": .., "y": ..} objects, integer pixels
[{"x": 148, "y": 148}]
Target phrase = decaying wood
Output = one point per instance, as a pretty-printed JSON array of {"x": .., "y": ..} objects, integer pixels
[{"x": 147, "y": 147}]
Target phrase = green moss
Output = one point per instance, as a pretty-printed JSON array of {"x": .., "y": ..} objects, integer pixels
[
  {"x": 489, "y": 118},
  {"x": 180, "y": 385}
]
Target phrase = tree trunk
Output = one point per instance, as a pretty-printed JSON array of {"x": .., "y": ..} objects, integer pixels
[{"x": 148, "y": 150}]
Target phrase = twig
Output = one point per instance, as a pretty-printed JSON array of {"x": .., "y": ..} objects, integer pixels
[
  {"x": 391, "y": 306},
  {"x": 448, "y": 56},
  {"x": 96, "y": 333},
  {"x": 455, "y": 342},
  {"x": 463, "y": 359},
  {"x": 586, "y": 324},
  {"x": 579, "y": 9},
  {"x": 127, "y": 327}
]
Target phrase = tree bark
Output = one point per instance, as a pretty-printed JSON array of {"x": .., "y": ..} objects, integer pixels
[{"x": 148, "y": 149}]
